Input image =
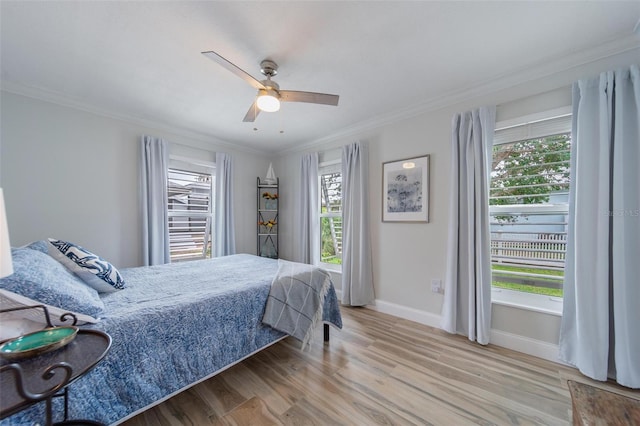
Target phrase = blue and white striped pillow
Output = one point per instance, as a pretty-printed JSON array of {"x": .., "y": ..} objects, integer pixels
[{"x": 92, "y": 269}]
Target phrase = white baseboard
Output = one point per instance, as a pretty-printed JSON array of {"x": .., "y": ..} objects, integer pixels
[
  {"x": 527, "y": 345},
  {"x": 411, "y": 314}
]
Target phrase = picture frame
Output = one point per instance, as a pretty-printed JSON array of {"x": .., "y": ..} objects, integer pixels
[{"x": 405, "y": 190}]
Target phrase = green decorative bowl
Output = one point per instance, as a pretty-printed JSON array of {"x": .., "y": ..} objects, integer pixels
[{"x": 37, "y": 343}]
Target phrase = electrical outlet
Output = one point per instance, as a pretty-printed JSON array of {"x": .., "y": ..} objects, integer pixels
[{"x": 436, "y": 286}]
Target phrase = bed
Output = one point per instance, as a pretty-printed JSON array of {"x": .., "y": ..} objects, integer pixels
[{"x": 172, "y": 326}]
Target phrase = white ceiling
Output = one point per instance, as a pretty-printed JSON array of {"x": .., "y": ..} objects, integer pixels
[{"x": 141, "y": 59}]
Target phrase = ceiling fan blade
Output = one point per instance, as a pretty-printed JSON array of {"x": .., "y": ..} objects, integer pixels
[
  {"x": 251, "y": 115},
  {"x": 310, "y": 97},
  {"x": 234, "y": 69}
]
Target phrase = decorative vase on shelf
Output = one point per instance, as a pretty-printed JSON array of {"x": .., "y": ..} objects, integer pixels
[
  {"x": 264, "y": 251},
  {"x": 271, "y": 204}
]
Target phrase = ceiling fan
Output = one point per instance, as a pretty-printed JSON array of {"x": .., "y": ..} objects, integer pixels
[{"x": 269, "y": 94}]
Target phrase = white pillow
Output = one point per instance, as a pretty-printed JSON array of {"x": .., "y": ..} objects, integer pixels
[
  {"x": 96, "y": 272},
  {"x": 17, "y": 327},
  {"x": 24, "y": 321}
]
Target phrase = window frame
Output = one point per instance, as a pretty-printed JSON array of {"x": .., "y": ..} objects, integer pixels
[
  {"x": 543, "y": 124},
  {"x": 189, "y": 166},
  {"x": 324, "y": 168}
]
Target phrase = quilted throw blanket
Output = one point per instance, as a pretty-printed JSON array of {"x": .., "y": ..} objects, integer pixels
[{"x": 296, "y": 298}]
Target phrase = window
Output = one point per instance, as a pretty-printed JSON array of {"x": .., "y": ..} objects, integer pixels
[
  {"x": 190, "y": 214},
  {"x": 528, "y": 205},
  {"x": 331, "y": 214}
]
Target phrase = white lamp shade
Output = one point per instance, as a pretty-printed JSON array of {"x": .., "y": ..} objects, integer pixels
[{"x": 6, "y": 265}]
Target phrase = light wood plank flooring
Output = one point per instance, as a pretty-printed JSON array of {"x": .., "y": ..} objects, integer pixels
[{"x": 379, "y": 370}]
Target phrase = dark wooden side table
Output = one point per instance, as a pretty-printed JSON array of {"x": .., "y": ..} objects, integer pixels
[{"x": 46, "y": 376}]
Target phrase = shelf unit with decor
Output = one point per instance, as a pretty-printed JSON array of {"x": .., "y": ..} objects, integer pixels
[{"x": 268, "y": 201}]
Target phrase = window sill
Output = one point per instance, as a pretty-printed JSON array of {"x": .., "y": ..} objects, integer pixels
[
  {"x": 331, "y": 267},
  {"x": 531, "y": 302}
]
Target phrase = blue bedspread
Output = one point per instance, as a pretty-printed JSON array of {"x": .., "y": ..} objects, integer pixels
[{"x": 172, "y": 326}]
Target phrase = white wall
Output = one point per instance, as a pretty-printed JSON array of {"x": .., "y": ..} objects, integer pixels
[
  {"x": 407, "y": 256},
  {"x": 73, "y": 175}
]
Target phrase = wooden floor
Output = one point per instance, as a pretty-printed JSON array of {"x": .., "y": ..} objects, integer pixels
[{"x": 379, "y": 370}]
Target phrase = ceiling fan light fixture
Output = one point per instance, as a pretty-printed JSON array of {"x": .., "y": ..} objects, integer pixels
[
  {"x": 269, "y": 94},
  {"x": 268, "y": 101}
]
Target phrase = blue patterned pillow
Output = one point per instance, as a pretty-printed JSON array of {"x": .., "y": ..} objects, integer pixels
[
  {"x": 92, "y": 269},
  {"x": 39, "y": 277}
]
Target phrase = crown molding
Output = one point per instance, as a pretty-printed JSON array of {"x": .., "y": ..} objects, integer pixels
[
  {"x": 505, "y": 81},
  {"x": 65, "y": 101},
  {"x": 524, "y": 75}
]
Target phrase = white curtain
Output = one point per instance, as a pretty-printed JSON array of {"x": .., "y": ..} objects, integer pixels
[
  {"x": 357, "y": 267},
  {"x": 601, "y": 315},
  {"x": 306, "y": 221},
  {"x": 467, "y": 294},
  {"x": 224, "y": 235},
  {"x": 154, "y": 163}
]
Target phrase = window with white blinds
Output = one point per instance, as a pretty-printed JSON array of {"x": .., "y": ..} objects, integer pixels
[
  {"x": 330, "y": 213},
  {"x": 528, "y": 205},
  {"x": 190, "y": 214}
]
